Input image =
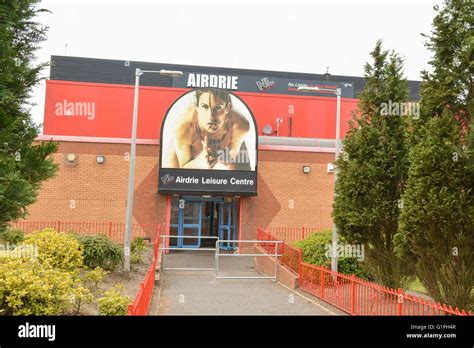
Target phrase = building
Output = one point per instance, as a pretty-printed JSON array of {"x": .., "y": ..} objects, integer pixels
[{"x": 265, "y": 161}]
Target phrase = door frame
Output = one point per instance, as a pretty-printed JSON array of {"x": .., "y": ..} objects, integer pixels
[
  {"x": 203, "y": 199},
  {"x": 230, "y": 227},
  {"x": 181, "y": 242},
  {"x": 196, "y": 226}
]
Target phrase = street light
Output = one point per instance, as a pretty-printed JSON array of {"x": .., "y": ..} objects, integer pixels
[
  {"x": 337, "y": 92},
  {"x": 131, "y": 177}
]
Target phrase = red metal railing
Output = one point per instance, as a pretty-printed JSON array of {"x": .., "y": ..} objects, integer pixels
[
  {"x": 290, "y": 256},
  {"x": 114, "y": 230},
  {"x": 291, "y": 234},
  {"x": 359, "y": 297},
  {"x": 347, "y": 292},
  {"x": 142, "y": 301},
  {"x": 264, "y": 235}
]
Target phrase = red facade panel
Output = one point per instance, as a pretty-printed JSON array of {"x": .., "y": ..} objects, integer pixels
[{"x": 105, "y": 110}]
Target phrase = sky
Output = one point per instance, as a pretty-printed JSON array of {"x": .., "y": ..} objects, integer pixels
[{"x": 281, "y": 35}]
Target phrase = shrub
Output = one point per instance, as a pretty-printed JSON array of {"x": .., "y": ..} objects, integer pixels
[
  {"x": 138, "y": 244},
  {"x": 12, "y": 236},
  {"x": 100, "y": 251},
  {"x": 92, "y": 278},
  {"x": 137, "y": 247},
  {"x": 135, "y": 258},
  {"x": 78, "y": 296},
  {"x": 59, "y": 250},
  {"x": 113, "y": 302},
  {"x": 28, "y": 287},
  {"x": 315, "y": 249}
]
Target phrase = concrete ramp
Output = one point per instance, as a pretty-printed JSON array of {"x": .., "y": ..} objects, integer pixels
[{"x": 200, "y": 293}]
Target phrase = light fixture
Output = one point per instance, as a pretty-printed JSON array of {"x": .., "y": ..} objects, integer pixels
[
  {"x": 71, "y": 157},
  {"x": 306, "y": 169},
  {"x": 267, "y": 130},
  {"x": 171, "y": 73},
  {"x": 100, "y": 159},
  {"x": 308, "y": 89},
  {"x": 330, "y": 168}
]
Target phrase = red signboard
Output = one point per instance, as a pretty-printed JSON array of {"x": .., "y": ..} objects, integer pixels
[{"x": 105, "y": 110}]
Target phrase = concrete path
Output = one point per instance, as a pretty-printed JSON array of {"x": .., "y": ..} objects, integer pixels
[{"x": 199, "y": 293}]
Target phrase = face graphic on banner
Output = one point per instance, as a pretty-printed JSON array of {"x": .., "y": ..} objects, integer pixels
[{"x": 209, "y": 133}]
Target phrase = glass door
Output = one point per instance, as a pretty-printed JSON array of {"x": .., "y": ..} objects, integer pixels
[
  {"x": 191, "y": 226},
  {"x": 227, "y": 224},
  {"x": 186, "y": 220}
]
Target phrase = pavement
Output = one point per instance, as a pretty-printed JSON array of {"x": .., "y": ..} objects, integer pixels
[{"x": 200, "y": 293}]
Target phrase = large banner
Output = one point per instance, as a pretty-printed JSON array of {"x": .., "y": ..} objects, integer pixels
[
  {"x": 262, "y": 84},
  {"x": 208, "y": 145}
]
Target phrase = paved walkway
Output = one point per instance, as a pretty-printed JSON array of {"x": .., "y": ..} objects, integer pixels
[{"x": 199, "y": 293}]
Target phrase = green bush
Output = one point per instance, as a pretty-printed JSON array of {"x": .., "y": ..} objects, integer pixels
[
  {"x": 137, "y": 247},
  {"x": 138, "y": 244},
  {"x": 101, "y": 251},
  {"x": 135, "y": 258},
  {"x": 88, "y": 284},
  {"x": 113, "y": 302},
  {"x": 315, "y": 249},
  {"x": 59, "y": 250},
  {"x": 12, "y": 236},
  {"x": 92, "y": 278},
  {"x": 28, "y": 287}
]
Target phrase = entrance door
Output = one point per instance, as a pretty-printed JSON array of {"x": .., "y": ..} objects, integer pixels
[
  {"x": 191, "y": 224},
  {"x": 186, "y": 220},
  {"x": 227, "y": 224},
  {"x": 196, "y": 216}
]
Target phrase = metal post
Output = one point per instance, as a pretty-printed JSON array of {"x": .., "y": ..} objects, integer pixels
[
  {"x": 353, "y": 294},
  {"x": 162, "y": 265},
  {"x": 338, "y": 137},
  {"x": 216, "y": 260},
  {"x": 400, "y": 301},
  {"x": 276, "y": 261},
  {"x": 131, "y": 178}
]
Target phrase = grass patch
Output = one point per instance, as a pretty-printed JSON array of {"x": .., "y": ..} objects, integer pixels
[{"x": 417, "y": 286}]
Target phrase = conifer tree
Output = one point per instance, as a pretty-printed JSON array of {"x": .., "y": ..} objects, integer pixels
[
  {"x": 373, "y": 167},
  {"x": 24, "y": 164},
  {"x": 437, "y": 222}
]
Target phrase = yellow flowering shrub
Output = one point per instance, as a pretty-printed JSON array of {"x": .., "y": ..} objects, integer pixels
[
  {"x": 113, "y": 302},
  {"x": 28, "y": 287},
  {"x": 59, "y": 250}
]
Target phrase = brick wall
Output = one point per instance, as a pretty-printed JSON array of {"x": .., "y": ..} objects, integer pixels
[
  {"x": 89, "y": 191},
  {"x": 287, "y": 196}
]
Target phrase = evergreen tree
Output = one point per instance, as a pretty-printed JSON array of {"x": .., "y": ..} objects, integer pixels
[
  {"x": 437, "y": 221},
  {"x": 373, "y": 168},
  {"x": 24, "y": 164}
]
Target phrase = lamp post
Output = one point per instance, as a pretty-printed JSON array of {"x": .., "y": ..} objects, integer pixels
[
  {"x": 131, "y": 177},
  {"x": 337, "y": 92}
]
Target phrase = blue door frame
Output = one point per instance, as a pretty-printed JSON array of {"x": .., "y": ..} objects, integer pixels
[
  {"x": 227, "y": 215},
  {"x": 189, "y": 228},
  {"x": 190, "y": 224}
]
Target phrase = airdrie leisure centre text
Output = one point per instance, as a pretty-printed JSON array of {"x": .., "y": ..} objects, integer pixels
[{"x": 212, "y": 181}]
